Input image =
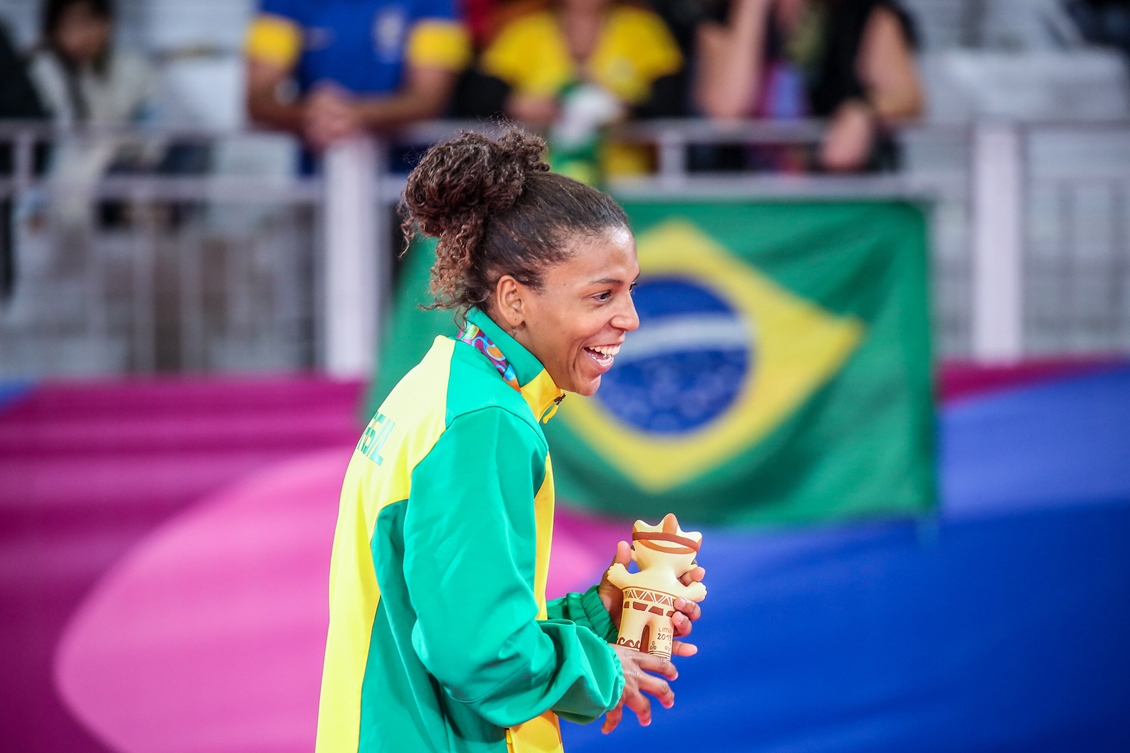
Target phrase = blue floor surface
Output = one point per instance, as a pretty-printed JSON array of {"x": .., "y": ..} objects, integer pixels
[
  {"x": 1002, "y": 625},
  {"x": 10, "y": 391}
]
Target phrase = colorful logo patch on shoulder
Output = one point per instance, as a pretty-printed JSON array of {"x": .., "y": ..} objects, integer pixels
[{"x": 722, "y": 357}]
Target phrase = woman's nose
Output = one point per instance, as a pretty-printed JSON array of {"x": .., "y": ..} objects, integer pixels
[{"x": 627, "y": 319}]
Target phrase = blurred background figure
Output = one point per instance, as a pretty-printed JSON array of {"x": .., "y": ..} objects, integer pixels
[
  {"x": 581, "y": 64},
  {"x": 84, "y": 81},
  {"x": 81, "y": 77},
  {"x": 331, "y": 70},
  {"x": 18, "y": 101},
  {"x": 1105, "y": 22},
  {"x": 850, "y": 61}
]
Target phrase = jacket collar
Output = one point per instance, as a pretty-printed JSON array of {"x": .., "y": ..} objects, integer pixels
[{"x": 533, "y": 381}]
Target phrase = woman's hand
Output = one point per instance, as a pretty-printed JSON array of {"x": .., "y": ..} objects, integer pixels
[
  {"x": 686, "y": 611},
  {"x": 637, "y": 681},
  {"x": 611, "y": 595}
]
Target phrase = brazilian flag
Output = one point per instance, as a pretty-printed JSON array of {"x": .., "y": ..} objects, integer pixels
[{"x": 781, "y": 371}]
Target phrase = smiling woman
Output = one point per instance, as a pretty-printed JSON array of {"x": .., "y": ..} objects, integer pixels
[
  {"x": 550, "y": 259},
  {"x": 440, "y": 634}
]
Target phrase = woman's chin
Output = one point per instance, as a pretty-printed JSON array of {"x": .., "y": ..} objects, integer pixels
[{"x": 588, "y": 387}]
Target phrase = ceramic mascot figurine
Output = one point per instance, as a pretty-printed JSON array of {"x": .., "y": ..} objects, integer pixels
[{"x": 663, "y": 553}]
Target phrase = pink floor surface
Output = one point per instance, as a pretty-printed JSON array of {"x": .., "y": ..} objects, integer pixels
[
  {"x": 89, "y": 470},
  {"x": 208, "y": 635}
]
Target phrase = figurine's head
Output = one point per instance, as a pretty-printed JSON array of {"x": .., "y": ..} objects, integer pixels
[{"x": 665, "y": 543}]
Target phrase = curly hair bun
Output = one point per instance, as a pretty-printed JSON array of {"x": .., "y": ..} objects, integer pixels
[
  {"x": 461, "y": 181},
  {"x": 495, "y": 209}
]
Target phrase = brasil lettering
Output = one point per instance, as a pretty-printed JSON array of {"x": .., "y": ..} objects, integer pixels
[{"x": 374, "y": 438}]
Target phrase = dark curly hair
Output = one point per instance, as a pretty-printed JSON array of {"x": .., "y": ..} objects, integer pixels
[{"x": 496, "y": 210}]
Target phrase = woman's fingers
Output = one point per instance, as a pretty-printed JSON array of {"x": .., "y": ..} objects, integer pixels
[
  {"x": 689, "y": 608},
  {"x": 659, "y": 688},
  {"x": 638, "y": 703},
  {"x": 678, "y": 648},
  {"x": 658, "y": 665},
  {"x": 683, "y": 624},
  {"x": 644, "y": 674},
  {"x": 691, "y": 576},
  {"x": 612, "y": 718}
]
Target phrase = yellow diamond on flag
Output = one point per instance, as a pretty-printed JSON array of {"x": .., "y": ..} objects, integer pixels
[{"x": 799, "y": 346}]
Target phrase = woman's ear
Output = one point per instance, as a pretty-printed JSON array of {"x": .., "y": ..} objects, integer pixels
[{"x": 508, "y": 300}]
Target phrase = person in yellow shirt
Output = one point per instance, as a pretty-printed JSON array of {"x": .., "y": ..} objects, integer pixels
[{"x": 623, "y": 49}]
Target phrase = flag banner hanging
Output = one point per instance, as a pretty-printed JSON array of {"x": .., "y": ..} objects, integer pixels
[{"x": 781, "y": 371}]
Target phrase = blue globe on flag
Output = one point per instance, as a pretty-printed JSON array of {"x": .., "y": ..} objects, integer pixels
[{"x": 685, "y": 365}]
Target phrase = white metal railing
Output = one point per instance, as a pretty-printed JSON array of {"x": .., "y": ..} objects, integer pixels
[
  {"x": 996, "y": 243},
  {"x": 988, "y": 260}
]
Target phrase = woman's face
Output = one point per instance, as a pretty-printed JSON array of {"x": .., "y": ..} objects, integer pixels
[
  {"x": 82, "y": 35},
  {"x": 576, "y": 323}
]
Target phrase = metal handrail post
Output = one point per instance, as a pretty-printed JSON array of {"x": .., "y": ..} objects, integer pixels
[
  {"x": 351, "y": 243},
  {"x": 997, "y": 174}
]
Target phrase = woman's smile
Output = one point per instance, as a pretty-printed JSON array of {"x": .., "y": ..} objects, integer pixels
[{"x": 603, "y": 355}]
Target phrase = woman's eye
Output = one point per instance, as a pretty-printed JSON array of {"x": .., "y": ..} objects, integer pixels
[
  {"x": 632, "y": 289},
  {"x": 602, "y": 297}
]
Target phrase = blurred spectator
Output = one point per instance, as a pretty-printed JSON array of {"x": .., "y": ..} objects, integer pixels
[
  {"x": 83, "y": 81},
  {"x": 18, "y": 101},
  {"x": 330, "y": 69},
  {"x": 479, "y": 16},
  {"x": 81, "y": 78},
  {"x": 849, "y": 61},
  {"x": 626, "y": 51},
  {"x": 1105, "y": 22}
]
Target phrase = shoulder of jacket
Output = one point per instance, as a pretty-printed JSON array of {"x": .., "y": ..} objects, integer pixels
[{"x": 515, "y": 413}]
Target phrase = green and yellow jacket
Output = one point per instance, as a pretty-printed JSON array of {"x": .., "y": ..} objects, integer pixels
[{"x": 440, "y": 636}]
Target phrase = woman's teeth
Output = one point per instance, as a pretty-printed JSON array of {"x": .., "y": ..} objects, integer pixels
[{"x": 603, "y": 354}]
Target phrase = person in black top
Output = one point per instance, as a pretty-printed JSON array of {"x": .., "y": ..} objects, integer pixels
[
  {"x": 18, "y": 101},
  {"x": 848, "y": 61}
]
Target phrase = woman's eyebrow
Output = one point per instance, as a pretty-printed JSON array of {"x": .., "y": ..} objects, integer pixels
[{"x": 612, "y": 281}]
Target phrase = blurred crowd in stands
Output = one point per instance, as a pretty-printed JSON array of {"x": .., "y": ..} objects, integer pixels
[
  {"x": 570, "y": 67},
  {"x": 327, "y": 70}
]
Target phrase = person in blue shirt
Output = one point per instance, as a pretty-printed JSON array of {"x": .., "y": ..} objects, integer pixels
[{"x": 331, "y": 69}]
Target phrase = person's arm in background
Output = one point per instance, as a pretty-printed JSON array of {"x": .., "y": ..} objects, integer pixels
[
  {"x": 730, "y": 60},
  {"x": 274, "y": 43},
  {"x": 886, "y": 68}
]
